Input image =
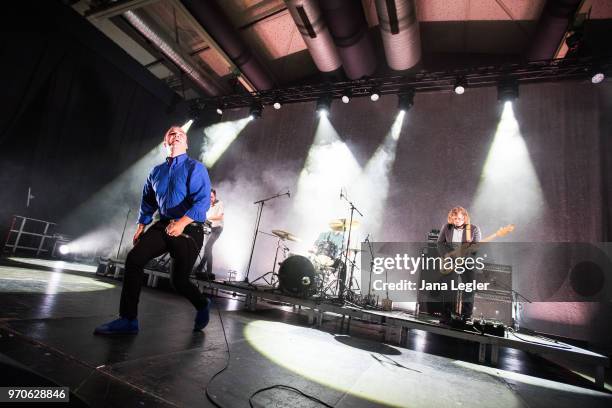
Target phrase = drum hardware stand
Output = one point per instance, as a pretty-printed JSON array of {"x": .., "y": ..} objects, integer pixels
[
  {"x": 328, "y": 287},
  {"x": 260, "y": 203},
  {"x": 335, "y": 282},
  {"x": 387, "y": 303},
  {"x": 353, "y": 266},
  {"x": 274, "y": 276},
  {"x": 369, "y": 298},
  {"x": 348, "y": 243}
]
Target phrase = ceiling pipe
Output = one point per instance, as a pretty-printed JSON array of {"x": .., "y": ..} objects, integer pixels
[
  {"x": 349, "y": 29},
  {"x": 399, "y": 28},
  {"x": 171, "y": 51},
  {"x": 551, "y": 28},
  {"x": 309, "y": 21},
  {"x": 216, "y": 23}
]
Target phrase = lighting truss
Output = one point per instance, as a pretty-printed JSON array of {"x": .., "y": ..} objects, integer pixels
[{"x": 532, "y": 72}]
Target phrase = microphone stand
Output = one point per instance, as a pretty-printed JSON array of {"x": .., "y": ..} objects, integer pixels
[
  {"x": 371, "y": 267},
  {"x": 260, "y": 203},
  {"x": 123, "y": 233},
  {"x": 348, "y": 242}
]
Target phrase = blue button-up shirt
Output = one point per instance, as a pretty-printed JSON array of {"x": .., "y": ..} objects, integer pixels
[{"x": 176, "y": 189}]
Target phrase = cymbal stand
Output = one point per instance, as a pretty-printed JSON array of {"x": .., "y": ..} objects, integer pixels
[
  {"x": 369, "y": 297},
  {"x": 348, "y": 242},
  {"x": 260, "y": 203},
  {"x": 353, "y": 266},
  {"x": 280, "y": 243}
]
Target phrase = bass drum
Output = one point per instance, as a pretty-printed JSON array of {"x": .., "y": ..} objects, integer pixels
[{"x": 296, "y": 276}]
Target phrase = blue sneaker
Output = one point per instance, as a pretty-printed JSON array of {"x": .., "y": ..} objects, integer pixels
[
  {"x": 119, "y": 326},
  {"x": 202, "y": 317}
]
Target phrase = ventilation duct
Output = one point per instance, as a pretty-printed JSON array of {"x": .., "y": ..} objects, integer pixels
[
  {"x": 309, "y": 21},
  {"x": 212, "y": 19},
  {"x": 349, "y": 29},
  {"x": 146, "y": 28},
  {"x": 399, "y": 28},
  {"x": 551, "y": 28}
]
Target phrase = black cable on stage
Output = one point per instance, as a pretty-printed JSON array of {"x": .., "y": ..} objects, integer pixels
[
  {"x": 287, "y": 387},
  {"x": 227, "y": 362},
  {"x": 559, "y": 346}
]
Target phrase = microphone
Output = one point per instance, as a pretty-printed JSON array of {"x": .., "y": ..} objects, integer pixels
[
  {"x": 367, "y": 238},
  {"x": 341, "y": 193},
  {"x": 288, "y": 193}
]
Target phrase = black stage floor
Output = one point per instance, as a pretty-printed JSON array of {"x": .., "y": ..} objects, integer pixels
[{"x": 48, "y": 312}]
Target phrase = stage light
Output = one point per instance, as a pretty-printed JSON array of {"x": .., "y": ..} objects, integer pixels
[
  {"x": 346, "y": 96},
  {"x": 597, "y": 77},
  {"x": 507, "y": 90},
  {"x": 374, "y": 96},
  {"x": 324, "y": 105},
  {"x": 219, "y": 110},
  {"x": 255, "y": 111},
  {"x": 405, "y": 100},
  {"x": 277, "y": 105},
  {"x": 460, "y": 86},
  {"x": 70, "y": 248}
]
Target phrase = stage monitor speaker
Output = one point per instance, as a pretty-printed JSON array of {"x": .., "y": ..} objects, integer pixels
[{"x": 493, "y": 307}]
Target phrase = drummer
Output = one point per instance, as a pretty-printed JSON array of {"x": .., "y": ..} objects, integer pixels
[{"x": 335, "y": 238}]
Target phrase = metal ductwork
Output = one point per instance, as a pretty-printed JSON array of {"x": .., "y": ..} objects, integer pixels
[
  {"x": 551, "y": 28},
  {"x": 182, "y": 60},
  {"x": 349, "y": 29},
  {"x": 399, "y": 28},
  {"x": 212, "y": 19},
  {"x": 309, "y": 21}
]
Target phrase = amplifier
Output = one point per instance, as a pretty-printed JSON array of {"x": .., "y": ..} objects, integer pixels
[
  {"x": 493, "y": 308},
  {"x": 494, "y": 304}
]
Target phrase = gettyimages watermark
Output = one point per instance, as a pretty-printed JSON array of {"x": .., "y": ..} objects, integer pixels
[
  {"x": 537, "y": 272},
  {"x": 411, "y": 264}
]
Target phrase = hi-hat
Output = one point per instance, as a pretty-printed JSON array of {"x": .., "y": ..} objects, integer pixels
[
  {"x": 284, "y": 235},
  {"x": 340, "y": 224},
  {"x": 356, "y": 249}
]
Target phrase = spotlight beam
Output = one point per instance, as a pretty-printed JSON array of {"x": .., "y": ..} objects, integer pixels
[
  {"x": 377, "y": 172},
  {"x": 508, "y": 164},
  {"x": 218, "y": 139}
]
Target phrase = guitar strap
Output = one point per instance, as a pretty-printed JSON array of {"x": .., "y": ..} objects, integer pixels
[{"x": 468, "y": 232}]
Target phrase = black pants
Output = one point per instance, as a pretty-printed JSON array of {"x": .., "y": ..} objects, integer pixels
[
  {"x": 208, "y": 255},
  {"x": 153, "y": 243},
  {"x": 451, "y": 300}
]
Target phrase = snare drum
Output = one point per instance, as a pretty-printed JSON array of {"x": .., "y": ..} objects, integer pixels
[{"x": 326, "y": 253}]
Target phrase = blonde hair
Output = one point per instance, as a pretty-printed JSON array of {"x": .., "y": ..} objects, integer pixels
[{"x": 458, "y": 210}]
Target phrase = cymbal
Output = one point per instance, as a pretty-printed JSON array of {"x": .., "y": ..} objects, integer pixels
[
  {"x": 284, "y": 235},
  {"x": 356, "y": 249},
  {"x": 342, "y": 223}
]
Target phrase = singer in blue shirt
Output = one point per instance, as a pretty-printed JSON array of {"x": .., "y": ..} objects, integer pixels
[{"x": 179, "y": 190}]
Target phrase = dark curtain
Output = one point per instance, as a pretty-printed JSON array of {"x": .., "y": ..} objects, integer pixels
[{"x": 76, "y": 110}]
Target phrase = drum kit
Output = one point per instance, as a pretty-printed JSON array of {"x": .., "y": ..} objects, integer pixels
[{"x": 322, "y": 272}]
